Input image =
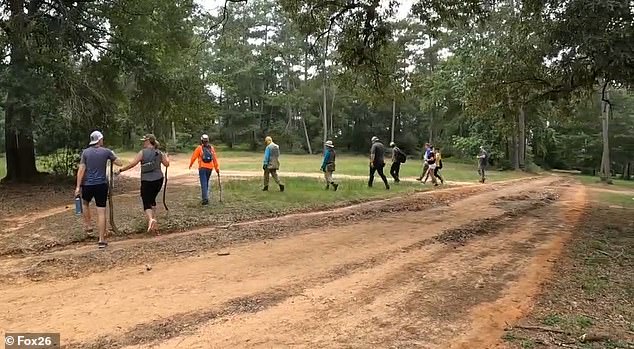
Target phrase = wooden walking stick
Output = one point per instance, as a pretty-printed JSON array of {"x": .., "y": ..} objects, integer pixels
[
  {"x": 219, "y": 186},
  {"x": 110, "y": 205},
  {"x": 165, "y": 185}
]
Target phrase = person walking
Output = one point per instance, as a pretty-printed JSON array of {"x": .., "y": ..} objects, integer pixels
[
  {"x": 328, "y": 165},
  {"x": 92, "y": 183},
  {"x": 398, "y": 157},
  {"x": 377, "y": 162},
  {"x": 431, "y": 167},
  {"x": 426, "y": 153},
  {"x": 207, "y": 162},
  {"x": 271, "y": 163},
  {"x": 151, "y": 159},
  {"x": 438, "y": 166},
  {"x": 483, "y": 158}
]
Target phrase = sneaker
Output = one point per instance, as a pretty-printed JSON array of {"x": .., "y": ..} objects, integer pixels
[
  {"x": 327, "y": 187},
  {"x": 266, "y": 188},
  {"x": 205, "y": 202},
  {"x": 387, "y": 187},
  {"x": 335, "y": 186},
  {"x": 281, "y": 187},
  {"x": 102, "y": 245}
]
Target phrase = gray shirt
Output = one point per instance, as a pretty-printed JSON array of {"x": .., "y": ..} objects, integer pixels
[
  {"x": 95, "y": 159},
  {"x": 379, "y": 153},
  {"x": 483, "y": 158},
  {"x": 151, "y": 164}
]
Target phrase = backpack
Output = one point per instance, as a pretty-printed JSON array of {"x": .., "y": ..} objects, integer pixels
[
  {"x": 207, "y": 156},
  {"x": 401, "y": 157}
]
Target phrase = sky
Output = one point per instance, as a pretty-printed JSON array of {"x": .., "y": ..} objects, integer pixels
[{"x": 403, "y": 8}]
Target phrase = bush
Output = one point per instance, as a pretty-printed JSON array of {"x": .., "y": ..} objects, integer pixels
[{"x": 64, "y": 162}]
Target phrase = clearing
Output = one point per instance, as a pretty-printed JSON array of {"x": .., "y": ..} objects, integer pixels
[{"x": 450, "y": 267}]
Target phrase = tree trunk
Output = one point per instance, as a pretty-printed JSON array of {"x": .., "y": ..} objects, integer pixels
[
  {"x": 173, "y": 132},
  {"x": 332, "y": 112},
  {"x": 605, "y": 120},
  {"x": 18, "y": 132},
  {"x": 393, "y": 118},
  {"x": 324, "y": 108},
  {"x": 626, "y": 171},
  {"x": 310, "y": 149},
  {"x": 522, "y": 139},
  {"x": 431, "y": 123}
]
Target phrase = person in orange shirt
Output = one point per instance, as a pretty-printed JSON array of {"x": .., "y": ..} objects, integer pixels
[{"x": 207, "y": 161}]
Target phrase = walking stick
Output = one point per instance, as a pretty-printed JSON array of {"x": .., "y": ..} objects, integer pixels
[
  {"x": 165, "y": 191},
  {"x": 165, "y": 185},
  {"x": 219, "y": 186},
  {"x": 110, "y": 205}
]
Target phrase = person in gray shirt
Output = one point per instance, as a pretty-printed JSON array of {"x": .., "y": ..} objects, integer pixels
[
  {"x": 377, "y": 162},
  {"x": 92, "y": 182},
  {"x": 151, "y": 159},
  {"x": 483, "y": 158}
]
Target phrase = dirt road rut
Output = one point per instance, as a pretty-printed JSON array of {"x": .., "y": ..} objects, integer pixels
[{"x": 432, "y": 276}]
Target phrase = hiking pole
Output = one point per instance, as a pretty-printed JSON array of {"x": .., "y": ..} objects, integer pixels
[
  {"x": 110, "y": 205},
  {"x": 219, "y": 186},
  {"x": 165, "y": 191},
  {"x": 165, "y": 185}
]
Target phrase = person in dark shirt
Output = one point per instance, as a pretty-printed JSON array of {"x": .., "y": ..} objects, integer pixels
[
  {"x": 92, "y": 182},
  {"x": 397, "y": 159},
  {"x": 377, "y": 162}
]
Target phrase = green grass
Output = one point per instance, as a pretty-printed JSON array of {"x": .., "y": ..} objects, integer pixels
[
  {"x": 617, "y": 184},
  {"x": 355, "y": 165},
  {"x": 3, "y": 166},
  {"x": 624, "y": 200}
]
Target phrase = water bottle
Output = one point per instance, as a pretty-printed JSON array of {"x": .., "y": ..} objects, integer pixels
[{"x": 78, "y": 207}]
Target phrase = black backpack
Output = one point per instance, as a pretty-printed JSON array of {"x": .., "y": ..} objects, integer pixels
[
  {"x": 401, "y": 157},
  {"x": 207, "y": 156}
]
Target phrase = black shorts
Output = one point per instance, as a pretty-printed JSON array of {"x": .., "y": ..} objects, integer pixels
[
  {"x": 149, "y": 191},
  {"x": 99, "y": 192}
]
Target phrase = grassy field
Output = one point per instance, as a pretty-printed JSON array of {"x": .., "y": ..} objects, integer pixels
[
  {"x": 3, "y": 166},
  {"x": 355, "y": 165},
  {"x": 616, "y": 183}
]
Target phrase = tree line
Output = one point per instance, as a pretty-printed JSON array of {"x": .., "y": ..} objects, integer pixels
[{"x": 543, "y": 83}]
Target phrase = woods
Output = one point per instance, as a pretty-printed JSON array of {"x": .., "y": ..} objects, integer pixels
[{"x": 540, "y": 83}]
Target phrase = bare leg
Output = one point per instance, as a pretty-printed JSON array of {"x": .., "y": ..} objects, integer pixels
[
  {"x": 101, "y": 223},
  {"x": 86, "y": 216},
  {"x": 151, "y": 221}
]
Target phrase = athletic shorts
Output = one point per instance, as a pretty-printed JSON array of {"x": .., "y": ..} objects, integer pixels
[
  {"x": 99, "y": 192},
  {"x": 149, "y": 191},
  {"x": 432, "y": 166}
]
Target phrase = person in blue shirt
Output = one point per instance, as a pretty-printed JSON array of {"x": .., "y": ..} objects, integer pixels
[
  {"x": 328, "y": 165},
  {"x": 426, "y": 154},
  {"x": 271, "y": 163}
]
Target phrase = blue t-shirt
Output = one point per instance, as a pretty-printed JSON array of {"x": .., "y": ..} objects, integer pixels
[{"x": 95, "y": 159}]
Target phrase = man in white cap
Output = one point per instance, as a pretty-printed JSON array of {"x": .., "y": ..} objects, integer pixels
[
  {"x": 271, "y": 163},
  {"x": 207, "y": 162},
  {"x": 377, "y": 162},
  {"x": 483, "y": 158},
  {"x": 398, "y": 157},
  {"x": 92, "y": 183},
  {"x": 328, "y": 165}
]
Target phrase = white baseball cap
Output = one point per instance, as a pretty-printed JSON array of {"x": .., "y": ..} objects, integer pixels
[
  {"x": 95, "y": 137},
  {"x": 204, "y": 137},
  {"x": 374, "y": 139}
]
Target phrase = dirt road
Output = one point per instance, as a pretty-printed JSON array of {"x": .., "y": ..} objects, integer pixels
[{"x": 444, "y": 269}]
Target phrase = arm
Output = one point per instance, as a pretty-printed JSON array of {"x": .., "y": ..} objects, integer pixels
[
  {"x": 326, "y": 158},
  {"x": 195, "y": 155},
  {"x": 215, "y": 159},
  {"x": 267, "y": 156},
  {"x": 372, "y": 151},
  {"x": 80, "y": 176},
  {"x": 165, "y": 160},
  {"x": 134, "y": 162}
]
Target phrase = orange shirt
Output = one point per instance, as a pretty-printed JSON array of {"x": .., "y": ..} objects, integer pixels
[{"x": 198, "y": 154}]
